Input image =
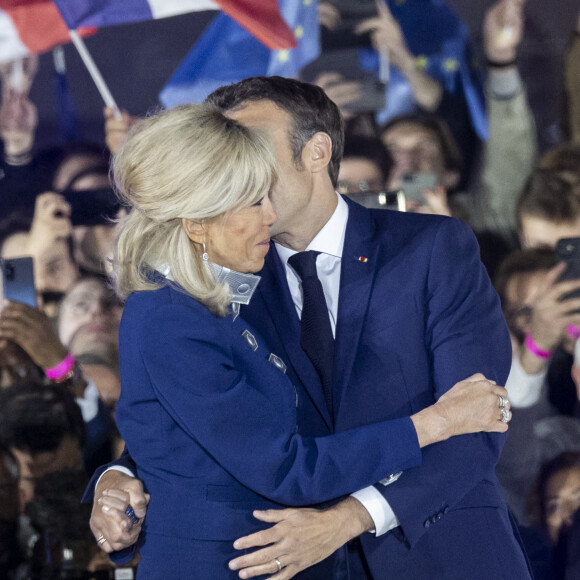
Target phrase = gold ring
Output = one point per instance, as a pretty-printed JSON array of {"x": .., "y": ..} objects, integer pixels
[
  {"x": 101, "y": 540},
  {"x": 278, "y": 564}
]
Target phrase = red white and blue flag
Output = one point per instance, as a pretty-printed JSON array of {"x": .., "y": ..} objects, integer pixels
[
  {"x": 35, "y": 26},
  {"x": 260, "y": 17},
  {"x": 31, "y": 27}
]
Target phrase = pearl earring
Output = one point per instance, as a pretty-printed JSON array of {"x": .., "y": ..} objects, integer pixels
[{"x": 204, "y": 256}]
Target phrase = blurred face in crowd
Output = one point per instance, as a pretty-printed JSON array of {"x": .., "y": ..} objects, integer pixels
[
  {"x": 54, "y": 271},
  {"x": 415, "y": 149},
  {"x": 358, "y": 175},
  {"x": 536, "y": 231},
  {"x": 91, "y": 309},
  {"x": 92, "y": 244},
  {"x": 520, "y": 293},
  {"x": 562, "y": 499}
]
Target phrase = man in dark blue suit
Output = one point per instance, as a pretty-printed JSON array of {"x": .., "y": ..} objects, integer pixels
[{"x": 413, "y": 312}]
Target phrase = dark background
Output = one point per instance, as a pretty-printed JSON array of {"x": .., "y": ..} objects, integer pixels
[{"x": 137, "y": 59}]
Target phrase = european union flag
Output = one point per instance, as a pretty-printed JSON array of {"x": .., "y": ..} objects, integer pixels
[
  {"x": 439, "y": 39},
  {"x": 227, "y": 53}
]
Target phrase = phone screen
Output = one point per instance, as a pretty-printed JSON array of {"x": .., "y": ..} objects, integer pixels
[
  {"x": 568, "y": 250},
  {"x": 18, "y": 280},
  {"x": 413, "y": 185}
]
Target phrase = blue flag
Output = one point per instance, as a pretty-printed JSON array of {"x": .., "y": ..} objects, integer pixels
[
  {"x": 440, "y": 41},
  {"x": 227, "y": 53}
]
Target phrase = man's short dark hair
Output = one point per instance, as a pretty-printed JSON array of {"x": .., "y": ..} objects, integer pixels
[
  {"x": 36, "y": 418},
  {"x": 371, "y": 148},
  {"x": 550, "y": 194},
  {"x": 308, "y": 106}
]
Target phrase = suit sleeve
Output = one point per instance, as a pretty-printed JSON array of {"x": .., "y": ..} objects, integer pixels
[
  {"x": 250, "y": 429},
  {"x": 465, "y": 334}
]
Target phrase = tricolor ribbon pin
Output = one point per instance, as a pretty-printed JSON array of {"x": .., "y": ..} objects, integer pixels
[{"x": 362, "y": 259}]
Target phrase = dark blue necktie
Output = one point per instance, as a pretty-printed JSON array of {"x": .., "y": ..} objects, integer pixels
[{"x": 316, "y": 337}]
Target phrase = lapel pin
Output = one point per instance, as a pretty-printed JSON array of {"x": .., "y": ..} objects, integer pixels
[{"x": 362, "y": 259}]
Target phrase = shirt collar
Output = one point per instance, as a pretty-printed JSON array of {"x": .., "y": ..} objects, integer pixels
[{"x": 330, "y": 239}]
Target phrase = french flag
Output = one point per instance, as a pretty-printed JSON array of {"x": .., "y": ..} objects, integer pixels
[
  {"x": 31, "y": 27},
  {"x": 35, "y": 26},
  {"x": 260, "y": 17}
]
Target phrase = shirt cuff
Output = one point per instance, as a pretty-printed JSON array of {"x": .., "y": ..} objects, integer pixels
[
  {"x": 504, "y": 85},
  {"x": 379, "y": 509},
  {"x": 524, "y": 390},
  {"x": 120, "y": 468}
]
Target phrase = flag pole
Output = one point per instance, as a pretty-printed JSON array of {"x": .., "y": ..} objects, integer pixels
[{"x": 94, "y": 72}]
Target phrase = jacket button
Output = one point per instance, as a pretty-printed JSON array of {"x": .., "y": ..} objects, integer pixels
[{"x": 427, "y": 523}]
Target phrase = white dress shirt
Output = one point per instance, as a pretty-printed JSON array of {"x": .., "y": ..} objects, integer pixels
[{"x": 330, "y": 242}]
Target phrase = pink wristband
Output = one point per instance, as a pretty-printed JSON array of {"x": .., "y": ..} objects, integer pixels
[
  {"x": 61, "y": 369},
  {"x": 535, "y": 349}
]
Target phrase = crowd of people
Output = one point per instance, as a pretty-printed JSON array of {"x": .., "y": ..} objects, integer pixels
[{"x": 60, "y": 371}]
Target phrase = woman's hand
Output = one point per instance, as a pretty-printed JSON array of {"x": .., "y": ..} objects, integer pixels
[
  {"x": 470, "y": 406},
  {"x": 113, "y": 494}
]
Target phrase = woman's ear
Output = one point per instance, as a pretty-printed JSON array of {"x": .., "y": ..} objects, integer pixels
[
  {"x": 194, "y": 230},
  {"x": 318, "y": 152}
]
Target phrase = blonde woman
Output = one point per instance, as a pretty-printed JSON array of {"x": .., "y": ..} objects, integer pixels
[{"x": 206, "y": 409}]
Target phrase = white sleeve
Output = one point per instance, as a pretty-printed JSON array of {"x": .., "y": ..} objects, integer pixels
[
  {"x": 379, "y": 509},
  {"x": 524, "y": 390}
]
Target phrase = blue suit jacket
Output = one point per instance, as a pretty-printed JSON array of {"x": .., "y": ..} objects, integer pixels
[
  {"x": 211, "y": 424},
  {"x": 416, "y": 314}
]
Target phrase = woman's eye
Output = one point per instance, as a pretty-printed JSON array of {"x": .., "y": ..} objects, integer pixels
[{"x": 258, "y": 203}]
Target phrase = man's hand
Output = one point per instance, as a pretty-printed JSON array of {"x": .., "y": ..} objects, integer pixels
[
  {"x": 300, "y": 538},
  {"x": 114, "y": 493}
]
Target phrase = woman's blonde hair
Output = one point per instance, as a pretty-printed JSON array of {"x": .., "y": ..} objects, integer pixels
[{"x": 189, "y": 162}]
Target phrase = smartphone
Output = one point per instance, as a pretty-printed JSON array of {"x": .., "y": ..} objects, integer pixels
[
  {"x": 568, "y": 250},
  {"x": 394, "y": 200},
  {"x": 351, "y": 14},
  {"x": 92, "y": 207},
  {"x": 413, "y": 185},
  {"x": 373, "y": 97},
  {"x": 18, "y": 280}
]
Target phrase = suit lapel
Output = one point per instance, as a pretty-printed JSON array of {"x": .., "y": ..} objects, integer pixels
[
  {"x": 358, "y": 270},
  {"x": 273, "y": 290}
]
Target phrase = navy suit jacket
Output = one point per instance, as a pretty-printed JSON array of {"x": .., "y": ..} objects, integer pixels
[
  {"x": 211, "y": 424},
  {"x": 416, "y": 314}
]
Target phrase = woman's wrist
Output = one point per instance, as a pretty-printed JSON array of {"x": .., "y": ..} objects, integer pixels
[
  {"x": 431, "y": 425},
  {"x": 63, "y": 371}
]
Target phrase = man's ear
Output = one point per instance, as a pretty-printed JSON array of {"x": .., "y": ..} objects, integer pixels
[
  {"x": 194, "y": 230},
  {"x": 318, "y": 152}
]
